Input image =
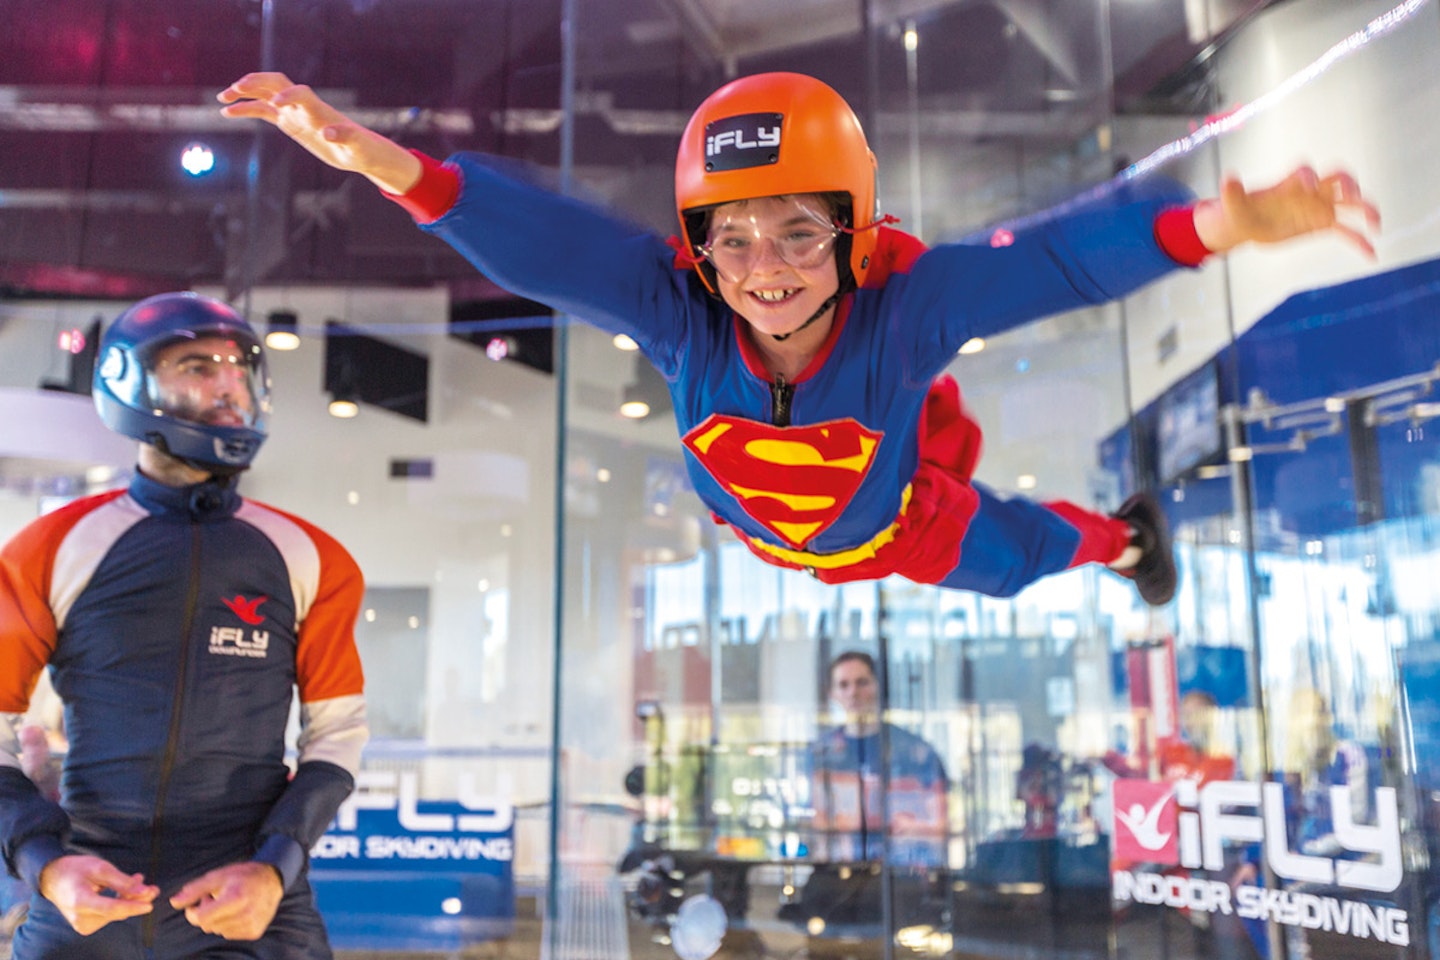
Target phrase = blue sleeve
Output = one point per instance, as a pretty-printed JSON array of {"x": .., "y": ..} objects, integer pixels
[
  {"x": 571, "y": 256},
  {"x": 32, "y": 828},
  {"x": 1102, "y": 251},
  {"x": 301, "y": 816}
]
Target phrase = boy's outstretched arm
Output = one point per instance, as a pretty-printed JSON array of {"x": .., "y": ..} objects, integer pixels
[
  {"x": 320, "y": 128},
  {"x": 1302, "y": 203}
]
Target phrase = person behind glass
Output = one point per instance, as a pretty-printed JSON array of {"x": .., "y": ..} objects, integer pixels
[
  {"x": 1317, "y": 760},
  {"x": 177, "y": 620},
  {"x": 1193, "y": 753},
  {"x": 1039, "y": 785},
  {"x": 804, "y": 340},
  {"x": 1196, "y": 754},
  {"x": 858, "y": 798}
]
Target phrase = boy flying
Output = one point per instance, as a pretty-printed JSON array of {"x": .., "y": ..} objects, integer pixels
[{"x": 804, "y": 341}]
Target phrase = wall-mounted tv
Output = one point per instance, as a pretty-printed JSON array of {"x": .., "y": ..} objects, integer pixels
[{"x": 1187, "y": 426}]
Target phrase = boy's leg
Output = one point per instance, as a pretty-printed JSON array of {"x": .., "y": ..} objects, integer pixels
[{"x": 1012, "y": 543}]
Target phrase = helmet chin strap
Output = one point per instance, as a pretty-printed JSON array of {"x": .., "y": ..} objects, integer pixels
[
  {"x": 224, "y": 474},
  {"x": 830, "y": 301}
]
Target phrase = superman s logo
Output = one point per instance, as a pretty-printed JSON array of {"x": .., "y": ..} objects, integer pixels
[{"x": 794, "y": 480}]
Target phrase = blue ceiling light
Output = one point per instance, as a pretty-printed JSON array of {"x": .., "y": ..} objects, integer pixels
[{"x": 197, "y": 159}]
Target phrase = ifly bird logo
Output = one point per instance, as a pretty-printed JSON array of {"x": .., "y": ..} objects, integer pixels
[
  {"x": 1145, "y": 816},
  {"x": 247, "y": 610}
]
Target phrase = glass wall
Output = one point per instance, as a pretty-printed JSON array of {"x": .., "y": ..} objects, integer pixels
[{"x": 601, "y": 726}]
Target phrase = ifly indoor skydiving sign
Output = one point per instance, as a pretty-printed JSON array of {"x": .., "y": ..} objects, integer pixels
[
  {"x": 398, "y": 873},
  {"x": 1163, "y": 826}
]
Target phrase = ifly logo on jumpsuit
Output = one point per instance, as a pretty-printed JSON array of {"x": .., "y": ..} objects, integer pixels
[
  {"x": 237, "y": 641},
  {"x": 1186, "y": 825}
]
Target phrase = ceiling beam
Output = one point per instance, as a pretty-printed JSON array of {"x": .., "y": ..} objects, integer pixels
[{"x": 67, "y": 110}]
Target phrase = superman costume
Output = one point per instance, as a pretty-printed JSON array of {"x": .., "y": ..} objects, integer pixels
[{"x": 862, "y": 466}]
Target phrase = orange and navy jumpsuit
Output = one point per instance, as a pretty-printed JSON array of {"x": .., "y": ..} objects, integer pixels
[{"x": 177, "y": 624}]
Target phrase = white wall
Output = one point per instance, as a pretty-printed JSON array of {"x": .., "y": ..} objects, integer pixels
[{"x": 1372, "y": 114}]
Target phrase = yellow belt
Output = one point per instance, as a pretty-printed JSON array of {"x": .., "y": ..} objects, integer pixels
[{"x": 845, "y": 558}]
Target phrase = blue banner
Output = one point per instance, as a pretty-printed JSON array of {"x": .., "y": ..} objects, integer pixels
[{"x": 398, "y": 873}]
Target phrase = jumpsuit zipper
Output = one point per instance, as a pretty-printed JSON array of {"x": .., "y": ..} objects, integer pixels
[
  {"x": 167, "y": 765},
  {"x": 781, "y": 394}
]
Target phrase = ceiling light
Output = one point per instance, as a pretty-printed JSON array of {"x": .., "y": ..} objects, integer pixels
[
  {"x": 623, "y": 342},
  {"x": 344, "y": 397},
  {"x": 197, "y": 159},
  {"x": 71, "y": 341},
  {"x": 501, "y": 348},
  {"x": 282, "y": 330},
  {"x": 649, "y": 394},
  {"x": 973, "y": 345},
  {"x": 343, "y": 406}
]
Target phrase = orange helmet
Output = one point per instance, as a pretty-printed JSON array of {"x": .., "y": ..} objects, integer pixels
[{"x": 774, "y": 134}]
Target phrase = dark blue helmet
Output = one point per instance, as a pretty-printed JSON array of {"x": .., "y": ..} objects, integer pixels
[{"x": 186, "y": 374}]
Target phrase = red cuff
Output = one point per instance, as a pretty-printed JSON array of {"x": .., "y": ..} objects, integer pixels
[
  {"x": 1175, "y": 232},
  {"x": 433, "y": 194}
]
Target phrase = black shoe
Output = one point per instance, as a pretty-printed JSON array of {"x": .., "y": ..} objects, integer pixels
[{"x": 1154, "y": 573}]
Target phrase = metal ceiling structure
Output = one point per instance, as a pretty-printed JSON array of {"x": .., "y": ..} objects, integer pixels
[{"x": 98, "y": 98}]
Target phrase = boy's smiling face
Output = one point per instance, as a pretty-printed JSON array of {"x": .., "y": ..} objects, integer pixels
[{"x": 774, "y": 259}]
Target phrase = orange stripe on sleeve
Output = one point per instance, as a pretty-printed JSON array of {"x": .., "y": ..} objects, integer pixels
[
  {"x": 27, "y": 624},
  {"x": 326, "y": 662}
]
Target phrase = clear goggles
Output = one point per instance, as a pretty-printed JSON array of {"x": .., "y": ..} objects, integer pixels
[
  {"x": 794, "y": 230},
  {"x": 213, "y": 381}
]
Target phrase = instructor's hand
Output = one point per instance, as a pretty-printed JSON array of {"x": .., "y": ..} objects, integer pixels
[
  {"x": 236, "y": 901},
  {"x": 321, "y": 129},
  {"x": 90, "y": 892}
]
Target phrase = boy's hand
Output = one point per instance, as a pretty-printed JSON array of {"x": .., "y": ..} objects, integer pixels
[
  {"x": 320, "y": 128},
  {"x": 1302, "y": 203}
]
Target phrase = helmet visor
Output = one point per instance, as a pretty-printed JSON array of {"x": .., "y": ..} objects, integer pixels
[
  {"x": 798, "y": 231},
  {"x": 215, "y": 380}
]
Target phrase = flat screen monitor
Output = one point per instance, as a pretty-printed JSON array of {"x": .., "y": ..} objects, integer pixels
[{"x": 1187, "y": 430}]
